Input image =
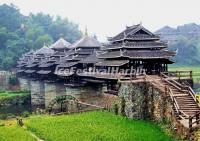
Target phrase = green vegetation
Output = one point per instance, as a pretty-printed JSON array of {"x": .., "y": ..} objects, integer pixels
[
  {"x": 14, "y": 133},
  {"x": 94, "y": 126},
  {"x": 7, "y": 94},
  {"x": 188, "y": 51},
  {"x": 20, "y": 34},
  {"x": 14, "y": 103},
  {"x": 195, "y": 71},
  {"x": 186, "y": 39}
]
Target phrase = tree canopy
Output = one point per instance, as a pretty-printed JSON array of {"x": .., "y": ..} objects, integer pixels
[{"x": 19, "y": 33}]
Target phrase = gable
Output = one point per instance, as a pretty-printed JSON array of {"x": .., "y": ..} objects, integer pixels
[{"x": 140, "y": 31}]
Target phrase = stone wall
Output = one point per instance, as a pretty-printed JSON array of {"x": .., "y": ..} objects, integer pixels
[
  {"x": 4, "y": 82},
  {"x": 145, "y": 101},
  {"x": 83, "y": 93}
]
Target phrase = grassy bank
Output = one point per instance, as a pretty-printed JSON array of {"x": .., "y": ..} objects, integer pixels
[
  {"x": 94, "y": 126},
  {"x": 10, "y": 94},
  {"x": 13, "y": 103},
  {"x": 9, "y": 131}
]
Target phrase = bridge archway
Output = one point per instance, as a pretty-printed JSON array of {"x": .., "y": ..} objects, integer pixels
[{"x": 61, "y": 100}]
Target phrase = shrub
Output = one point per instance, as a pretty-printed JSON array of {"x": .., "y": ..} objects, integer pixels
[
  {"x": 3, "y": 116},
  {"x": 25, "y": 114},
  {"x": 116, "y": 108},
  {"x": 12, "y": 80},
  {"x": 123, "y": 104}
]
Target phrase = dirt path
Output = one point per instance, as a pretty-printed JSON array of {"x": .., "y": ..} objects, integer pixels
[{"x": 32, "y": 134}]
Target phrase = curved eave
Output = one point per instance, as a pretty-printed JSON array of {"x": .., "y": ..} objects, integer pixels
[
  {"x": 133, "y": 39},
  {"x": 139, "y": 47},
  {"x": 130, "y": 57},
  {"x": 64, "y": 74}
]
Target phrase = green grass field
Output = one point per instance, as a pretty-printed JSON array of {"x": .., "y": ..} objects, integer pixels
[
  {"x": 94, "y": 126},
  {"x": 12, "y": 132},
  {"x": 195, "y": 71},
  {"x": 7, "y": 94}
]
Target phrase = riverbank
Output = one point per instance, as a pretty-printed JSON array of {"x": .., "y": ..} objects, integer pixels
[{"x": 14, "y": 103}]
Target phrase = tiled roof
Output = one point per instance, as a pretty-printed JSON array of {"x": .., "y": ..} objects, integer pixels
[
  {"x": 44, "y": 50},
  {"x": 45, "y": 65},
  {"x": 136, "y": 45},
  {"x": 137, "y": 54},
  {"x": 60, "y": 44},
  {"x": 67, "y": 64},
  {"x": 44, "y": 72},
  {"x": 86, "y": 41},
  {"x": 112, "y": 63},
  {"x": 129, "y": 33},
  {"x": 29, "y": 71},
  {"x": 90, "y": 59}
]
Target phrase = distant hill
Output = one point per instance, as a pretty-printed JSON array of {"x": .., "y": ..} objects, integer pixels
[
  {"x": 190, "y": 31},
  {"x": 185, "y": 38}
]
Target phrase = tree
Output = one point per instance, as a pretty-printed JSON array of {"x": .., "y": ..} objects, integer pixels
[
  {"x": 19, "y": 34},
  {"x": 10, "y": 17},
  {"x": 68, "y": 29},
  {"x": 43, "y": 39}
]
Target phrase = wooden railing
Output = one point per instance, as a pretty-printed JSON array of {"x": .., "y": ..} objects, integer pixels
[
  {"x": 190, "y": 91},
  {"x": 178, "y": 74},
  {"x": 196, "y": 117},
  {"x": 168, "y": 90},
  {"x": 176, "y": 106}
]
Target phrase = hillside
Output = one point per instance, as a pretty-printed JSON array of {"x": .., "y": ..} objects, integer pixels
[
  {"x": 20, "y": 34},
  {"x": 185, "y": 38}
]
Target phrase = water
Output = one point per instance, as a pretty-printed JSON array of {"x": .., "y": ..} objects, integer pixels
[{"x": 11, "y": 111}]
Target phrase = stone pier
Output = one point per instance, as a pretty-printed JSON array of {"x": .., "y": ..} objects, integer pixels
[
  {"x": 49, "y": 92},
  {"x": 24, "y": 84},
  {"x": 37, "y": 94}
]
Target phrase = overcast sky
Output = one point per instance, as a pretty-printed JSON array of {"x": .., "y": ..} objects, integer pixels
[{"x": 108, "y": 17}]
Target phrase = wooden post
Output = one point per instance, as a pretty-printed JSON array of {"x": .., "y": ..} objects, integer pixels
[
  {"x": 197, "y": 118},
  {"x": 190, "y": 122},
  {"x": 190, "y": 74},
  {"x": 165, "y": 90}
]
